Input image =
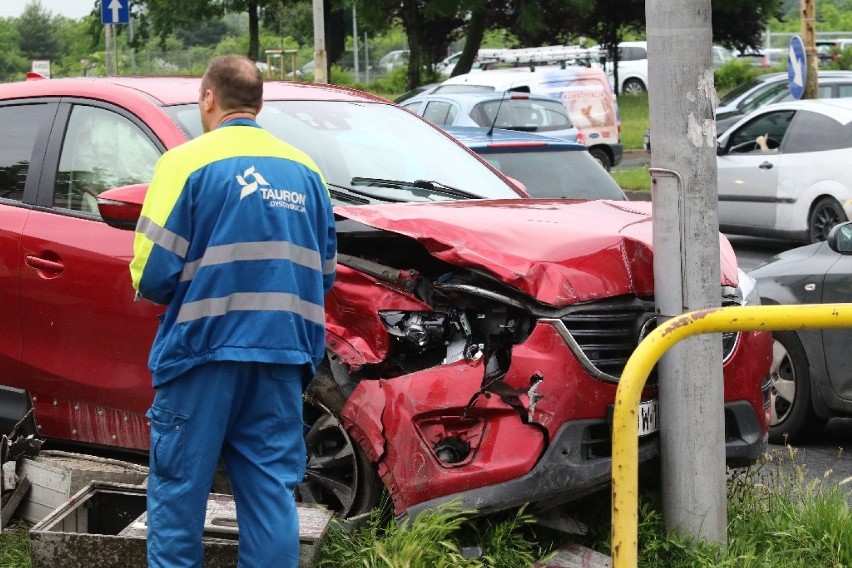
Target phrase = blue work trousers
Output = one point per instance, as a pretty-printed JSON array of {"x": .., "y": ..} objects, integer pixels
[{"x": 251, "y": 415}]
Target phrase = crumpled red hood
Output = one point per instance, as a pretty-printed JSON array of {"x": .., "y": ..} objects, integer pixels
[{"x": 560, "y": 252}]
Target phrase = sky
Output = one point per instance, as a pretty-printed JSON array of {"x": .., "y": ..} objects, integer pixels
[{"x": 68, "y": 8}]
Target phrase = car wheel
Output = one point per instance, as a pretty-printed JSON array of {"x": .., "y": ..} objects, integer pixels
[
  {"x": 602, "y": 157},
  {"x": 825, "y": 214},
  {"x": 792, "y": 414},
  {"x": 633, "y": 87},
  {"x": 338, "y": 474}
]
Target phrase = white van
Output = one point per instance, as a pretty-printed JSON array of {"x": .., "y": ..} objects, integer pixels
[{"x": 585, "y": 92}]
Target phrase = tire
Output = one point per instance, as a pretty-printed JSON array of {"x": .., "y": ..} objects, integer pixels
[
  {"x": 602, "y": 157},
  {"x": 793, "y": 418},
  {"x": 338, "y": 474},
  {"x": 633, "y": 87},
  {"x": 825, "y": 214}
]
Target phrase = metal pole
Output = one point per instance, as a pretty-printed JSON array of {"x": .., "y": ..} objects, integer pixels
[
  {"x": 625, "y": 448},
  {"x": 355, "y": 41},
  {"x": 107, "y": 42},
  {"x": 366, "y": 57},
  {"x": 682, "y": 98},
  {"x": 320, "y": 56}
]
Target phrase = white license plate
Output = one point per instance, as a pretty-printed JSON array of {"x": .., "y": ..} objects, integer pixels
[{"x": 649, "y": 421}]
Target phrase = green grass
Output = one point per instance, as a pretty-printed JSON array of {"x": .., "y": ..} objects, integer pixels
[
  {"x": 634, "y": 120},
  {"x": 444, "y": 538},
  {"x": 777, "y": 518},
  {"x": 15, "y": 546},
  {"x": 634, "y": 179}
]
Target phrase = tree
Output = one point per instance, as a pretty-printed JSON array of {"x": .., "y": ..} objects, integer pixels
[
  {"x": 165, "y": 16},
  {"x": 39, "y": 33},
  {"x": 12, "y": 62},
  {"x": 741, "y": 24}
]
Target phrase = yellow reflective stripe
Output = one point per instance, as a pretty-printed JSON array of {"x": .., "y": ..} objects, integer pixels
[
  {"x": 163, "y": 237},
  {"x": 251, "y": 301},
  {"x": 330, "y": 265},
  {"x": 275, "y": 250}
]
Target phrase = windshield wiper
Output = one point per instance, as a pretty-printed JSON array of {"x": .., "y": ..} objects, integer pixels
[
  {"x": 343, "y": 196},
  {"x": 369, "y": 195},
  {"x": 433, "y": 186}
]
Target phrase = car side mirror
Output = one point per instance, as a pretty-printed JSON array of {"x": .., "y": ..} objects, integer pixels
[
  {"x": 120, "y": 207},
  {"x": 840, "y": 238}
]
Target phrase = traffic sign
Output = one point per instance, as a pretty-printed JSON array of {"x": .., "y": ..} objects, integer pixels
[
  {"x": 797, "y": 67},
  {"x": 115, "y": 11}
]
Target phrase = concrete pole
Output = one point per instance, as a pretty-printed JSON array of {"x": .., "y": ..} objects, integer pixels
[
  {"x": 809, "y": 40},
  {"x": 320, "y": 55},
  {"x": 682, "y": 100}
]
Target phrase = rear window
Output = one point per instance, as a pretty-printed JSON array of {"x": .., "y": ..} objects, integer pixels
[
  {"x": 528, "y": 115},
  {"x": 570, "y": 174}
]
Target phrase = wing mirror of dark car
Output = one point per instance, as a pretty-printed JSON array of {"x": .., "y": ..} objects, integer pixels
[
  {"x": 120, "y": 207},
  {"x": 840, "y": 238}
]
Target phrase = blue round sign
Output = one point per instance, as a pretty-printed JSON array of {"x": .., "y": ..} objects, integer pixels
[{"x": 797, "y": 67}]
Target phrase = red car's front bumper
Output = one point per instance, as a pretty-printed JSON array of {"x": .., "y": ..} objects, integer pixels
[{"x": 437, "y": 436}]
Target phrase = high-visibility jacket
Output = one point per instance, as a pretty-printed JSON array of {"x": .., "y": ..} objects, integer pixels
[{"x": 237, "y": 237}]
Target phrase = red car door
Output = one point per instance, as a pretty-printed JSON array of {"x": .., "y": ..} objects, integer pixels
[
  {"x": 26, "y": 125},
  {"x": 85, "y": 339}
]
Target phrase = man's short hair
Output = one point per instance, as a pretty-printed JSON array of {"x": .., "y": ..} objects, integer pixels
[{"x": 236, "y": 82}]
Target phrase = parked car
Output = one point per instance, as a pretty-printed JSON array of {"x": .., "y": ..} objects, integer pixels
[
  {"x": 584, "y": 91},
  {"x": 810, "y": 368},
  {"x": 775, "y": 88},
  {"x": 393, "y": 59},
  {"x": 475, "y": 338},
  {"x": 765, "y": 57},
  {"x": 801, "y": 186},
  {"x": 547, "y": 167},
  {"x": 633, "y": 65},
  {"x": 768, "y": 89},
  {"x": 508, "y": 110}
]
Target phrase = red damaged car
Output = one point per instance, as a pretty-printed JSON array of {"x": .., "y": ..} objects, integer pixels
[{"x": 475, "y": 338}]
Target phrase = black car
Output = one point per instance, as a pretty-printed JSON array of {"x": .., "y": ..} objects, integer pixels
[{"x": 810, "y": 371}]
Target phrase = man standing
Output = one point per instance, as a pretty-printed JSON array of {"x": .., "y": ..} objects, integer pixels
[{"x": 237, "y": 238}]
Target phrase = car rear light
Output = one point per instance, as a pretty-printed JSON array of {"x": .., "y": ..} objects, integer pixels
[
  {"x": 519, "y": 97},
  {"x": 581, "y": 138}
]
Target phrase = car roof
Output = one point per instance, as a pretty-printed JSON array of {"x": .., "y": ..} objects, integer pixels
[
  {"x": 838, "y": 109},
  {"x": 477, "y": 137},
  {"x": 499, "y": 77},
  {"x": 168, "y": 90},
  {"x": 474, "y": 97}
]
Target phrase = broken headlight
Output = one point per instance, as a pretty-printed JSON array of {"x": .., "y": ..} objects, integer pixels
[
  {"x": 745, "y": 294},
  {"x": 420, "y": 329}
]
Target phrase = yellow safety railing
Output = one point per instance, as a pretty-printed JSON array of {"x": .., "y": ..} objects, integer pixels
[{"x": 625, "y": 429}]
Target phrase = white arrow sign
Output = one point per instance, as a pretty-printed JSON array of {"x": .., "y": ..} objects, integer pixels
[{"x": 795, "y": 63}]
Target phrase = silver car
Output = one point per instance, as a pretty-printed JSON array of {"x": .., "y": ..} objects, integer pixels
[
  {"x": 800, "y": 185},
  {"x": 508, "y": 110}
]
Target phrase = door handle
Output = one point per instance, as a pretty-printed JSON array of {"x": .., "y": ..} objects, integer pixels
[
  {"x": 45, "y": 267},
  {"x": 765, "y": 166}
]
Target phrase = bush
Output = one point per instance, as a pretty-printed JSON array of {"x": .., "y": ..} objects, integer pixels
[{"x": 735, "y": 73}]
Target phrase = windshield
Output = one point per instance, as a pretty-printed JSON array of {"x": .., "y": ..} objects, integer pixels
[
  {"x": 350, "y": 140},
  {"x": 564, "y": 174}
]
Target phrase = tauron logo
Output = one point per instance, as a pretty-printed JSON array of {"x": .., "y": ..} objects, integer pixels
[{"x": 250, "y": 187}]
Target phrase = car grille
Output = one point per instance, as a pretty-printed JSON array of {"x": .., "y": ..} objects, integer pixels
[{"x": 608, "y": 334}]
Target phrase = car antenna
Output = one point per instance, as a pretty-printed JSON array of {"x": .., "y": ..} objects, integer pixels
[{"x": 496, "y": 114}]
